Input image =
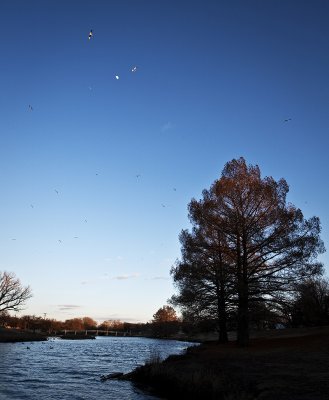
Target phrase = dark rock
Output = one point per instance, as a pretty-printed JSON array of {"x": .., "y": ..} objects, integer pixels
[{"x": 114, "y": 375}]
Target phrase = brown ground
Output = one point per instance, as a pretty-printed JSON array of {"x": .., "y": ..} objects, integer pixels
[{"x": 278, "y": 365}]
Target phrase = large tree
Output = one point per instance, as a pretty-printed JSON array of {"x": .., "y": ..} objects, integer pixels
[
  {"x": 265, "y": 242},
  {"x": 12, "y": 294}
]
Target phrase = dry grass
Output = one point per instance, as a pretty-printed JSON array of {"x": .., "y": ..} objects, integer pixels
[{"x": 287, "y": 364}]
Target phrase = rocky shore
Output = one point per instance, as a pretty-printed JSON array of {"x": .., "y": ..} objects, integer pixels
[{"x": 285, "y": 365}]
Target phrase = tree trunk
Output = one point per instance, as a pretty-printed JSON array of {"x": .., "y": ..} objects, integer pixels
[
  {"x": 221, "y": 304},
  {"x": 243, "y": 322},
  {"x": 243, "y": 311},
  {"x": 243, "y": 297},
  {"x": 223, "y": 338},
  {"x": 222, "y": 335}
]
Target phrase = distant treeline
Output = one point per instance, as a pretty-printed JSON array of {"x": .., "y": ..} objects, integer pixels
[
  {"x": 308, "y": 307},
  {"x": 37, "y": 323}
]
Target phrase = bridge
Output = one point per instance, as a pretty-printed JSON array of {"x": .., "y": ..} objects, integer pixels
[{"x": 92, "y": 332}]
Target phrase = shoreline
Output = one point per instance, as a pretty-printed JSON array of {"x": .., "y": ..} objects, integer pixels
[
  {"x": 291, "y": 364},
  {"x": 288, "y": 364}
]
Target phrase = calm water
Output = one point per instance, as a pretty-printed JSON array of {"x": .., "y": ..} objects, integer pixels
[{"x": 69, "y": 369}]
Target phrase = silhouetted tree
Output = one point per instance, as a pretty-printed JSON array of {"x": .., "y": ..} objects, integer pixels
[
  {"x": 165, "y": 322},
  {"x": 311, "y": 305},
  {"x": 203, "y": 277},
  {"x": 12, "y": 294},
  {"x": 4, "y": 318},
  {"x": 266, "y": 244}
]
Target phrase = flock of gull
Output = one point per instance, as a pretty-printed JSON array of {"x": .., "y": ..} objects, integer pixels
[
  {"x": 117, "y": 77},
  {"x": 133, "y": 69}
]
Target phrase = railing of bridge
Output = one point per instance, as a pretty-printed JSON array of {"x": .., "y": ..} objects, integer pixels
[{"x": 93, "y": 332}]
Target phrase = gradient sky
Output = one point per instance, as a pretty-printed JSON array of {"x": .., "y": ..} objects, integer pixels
[{"x": 96, "y": 178}]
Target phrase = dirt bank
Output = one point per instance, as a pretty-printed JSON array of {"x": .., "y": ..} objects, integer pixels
[{"x": 285, "y": 365}]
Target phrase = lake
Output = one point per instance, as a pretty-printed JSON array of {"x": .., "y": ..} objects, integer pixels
[{"x": 71, "y": 369}]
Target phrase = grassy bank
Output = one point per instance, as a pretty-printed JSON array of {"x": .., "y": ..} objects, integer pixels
[
  {"x": 288, "y": 364},
  {"x": 15, "y": 335}
]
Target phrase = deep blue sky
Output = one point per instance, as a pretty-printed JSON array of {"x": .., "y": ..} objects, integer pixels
[{"x": 215, "y": 81}]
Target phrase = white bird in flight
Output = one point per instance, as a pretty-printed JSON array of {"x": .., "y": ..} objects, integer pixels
[
  {"x": 134, "y": 69},
  {"x": 90, "y": 34}
]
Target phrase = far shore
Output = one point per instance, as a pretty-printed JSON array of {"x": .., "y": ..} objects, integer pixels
[
  {"x": 16, "y": 335},
  {"x": 10, "y": 335}
]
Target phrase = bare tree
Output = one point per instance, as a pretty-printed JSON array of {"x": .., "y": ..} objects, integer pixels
[
  {"x": 12, "y": 294},
  {"x": 112, "y": 324}
]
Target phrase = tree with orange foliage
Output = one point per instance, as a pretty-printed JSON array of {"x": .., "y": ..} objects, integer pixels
[
  {"x": 165, "y": 322},
  {"x": 74, "y": 324},
  {"x": 165, "y": 314},
  {"x": 89, "y": 323},
  {"x": 262, "y": 244}
]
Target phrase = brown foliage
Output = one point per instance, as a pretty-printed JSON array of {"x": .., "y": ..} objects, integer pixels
[
  {"x": 165, "y": 314},
  {"x": 247, "y": 245}
]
